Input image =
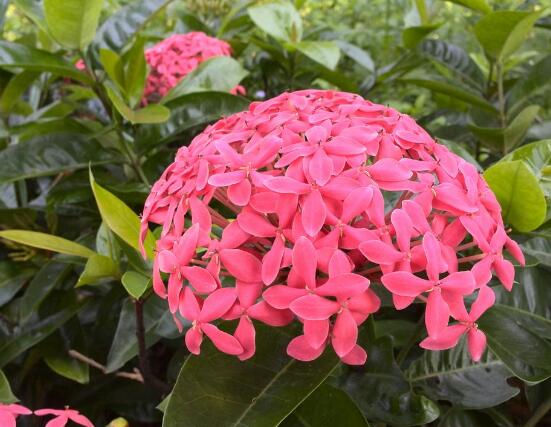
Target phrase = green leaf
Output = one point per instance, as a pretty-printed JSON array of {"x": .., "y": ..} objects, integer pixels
[
  {"x": 51, "y": 154},
  {"x": 454, "y": 91},
  {"x": 15, "y": 88},
  {"x": 135, "y": 72},
  {"x": 120, "y": 218},
  {"x": 12, "y": 279},
  {"x": 279, "y": 19},
  {"x": 219, "y": 74},
  {"x": 382, "y": 393},
  {"x": 73, "y": 23},
  {"x": 6, "y": 395},
  {"x": 14, "y": 55},
  {"x": 412, "y": 36},
  {"x": 217, "y": 389},
  {"x": 519, "y": 194},
  {"x": 455, "y": 59},
  {"x": 502, "y": 33},
  {"x": 47, "y": 241},
  {"x": 135, "y": 283},
  {"x": 125, "y": 344},
  {"x": 112, "y": 64},
  {"x": 187, "y": 112},
  {"x": 460, "y": 418},
  {"x": 516, "y": 130},
  {"x": 326, "y": 53},
  {"x": 451, "y": 375},
  {"x": 32, "y": 10},
  {"x": 128, "y": 20},
  {"x": 358, "y": 54},
  {"x": 98, "y": 268},
  {"x": 153, "y": 113},
  {"x": 538, "y": 248},
  {"x": 531, "y": 83},
  {"x": 327, "y": 406},
  {"x": 477, "y": 5},
  {"x": 68, "y": 367}
]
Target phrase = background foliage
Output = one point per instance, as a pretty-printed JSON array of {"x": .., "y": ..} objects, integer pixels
[{"x": 77, "y": 324}]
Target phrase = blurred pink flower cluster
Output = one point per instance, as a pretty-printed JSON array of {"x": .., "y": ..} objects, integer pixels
[
  {"x": 295, "y": 209},
  {"x": 173, "y": 58},
  {"x": 10, "y": 412}
]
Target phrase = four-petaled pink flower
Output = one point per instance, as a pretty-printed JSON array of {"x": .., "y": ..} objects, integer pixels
[
  {"x": 63, "y": 416},
  {"x": 297, "y": 207}
]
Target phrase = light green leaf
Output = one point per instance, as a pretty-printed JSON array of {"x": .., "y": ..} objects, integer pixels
[
  {"x": 412, "y": 36},
  {"x": 32, "y": 10},
  {"x": 73, "y": 23},
  {"x": 14, "y": 55},
  {"x": 220, "y": 74},
  {"x": 215, "y": 389},
  {"x": 120, "y": 218},
  {"x": 153, "y": 113},
  {"x": 519, "y": 194},
  {"x": 279, "y": 19},
  {"x": 478, "y": 5},
  {"x": 358, "y": 54},
  {"x": 516, "y": 131},
  {"x": 452, "y": 375},
  {"x": 135, "y": 283},
  {"x": 69, "y": 367},
  {"x": 6, "y": 395},
  {"x": 135, "y": 72},
  {"x": 113, "y": 66},
  {"x": 326, "y": 53},
  {"x": 502, "y": 33},
  {"x": 48, "y": 242},
  {"x": 98, "y": 268},
  {"x": 454, "y": 92}
]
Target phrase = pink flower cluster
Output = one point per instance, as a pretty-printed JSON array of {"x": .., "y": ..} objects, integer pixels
[
  {"x": 9, "y": 414},
  {"x": 294, "y": 209},
  {"x": 173, "y": 58}
]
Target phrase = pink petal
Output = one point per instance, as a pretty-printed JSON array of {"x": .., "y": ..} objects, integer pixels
[
  {"x": 60, "y": 421},
  {"x": 485, "y": 299},
  {"x": 405, "y": 283},
  {"x": 300, "y": 349},
  {"x": 283, "y": 184},
  {"x": 344, "y": 334},
  {"x": 265, "y": 313},
  {"x": 314, "y": 307},
  {"x": 320, "y": 167},
  {"x": 227, "y": 179},
  {"x": 403, "y": 227},
  {"x": 281, "y": 297},
  {"x": 255, "y": 224},
  {"x": 217, "y": 304},
  {"x": 271, "y": 263},
  {"x": 343, "y": 286},
  {"x": 453, "y": 196},
  {"x": 316, "y": 332},
  {"x": 81, "y": 419},
  {"x": 357, "y": 356},
  {"x": 448, "y": 338},
  {"x": 7, "y": 419},
  {"x": 515, "y": 251},
  {"x": 356, "y": 202},
  {"x": 305, "y": 261},
  {"x": 380, "y": 252},
  {"x": 437, "y": 313},
  {"x": 223, "y": 341},
  {"x": 174, "y": 289},
  {"x": 245, "y": 334},
  {"x": 187, "y": 245},
  {"x": 233, "y": 236},
  {"x": 505, "y": 271},
  {"x": 431, "y": 247},
  {"x": 417, "y": 216},
  {"x": 462, "y": 283},
  {"x": 201, "y": 279},
  {"x": 339, "y": 263},
  {"x": 388, "y": 170},
  {"x": 193, "y": 339},
  {"x": 189, "y": 305},
  {"x": 242, "y": 265},
  {"x": 476, "y": 342},
  {"x": 240, "y": 193},
  {"x": 313, "y": 213},
  {"x": 167, "y": 261}
]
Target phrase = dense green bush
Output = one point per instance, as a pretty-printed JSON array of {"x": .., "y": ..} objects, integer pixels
[{"x": 79, "y": 150}]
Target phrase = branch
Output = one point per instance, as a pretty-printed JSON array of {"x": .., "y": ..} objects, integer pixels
[{"x": 136, "y": 375}]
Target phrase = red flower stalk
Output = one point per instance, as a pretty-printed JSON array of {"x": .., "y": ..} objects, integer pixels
[{"x": 323, "y": 191}]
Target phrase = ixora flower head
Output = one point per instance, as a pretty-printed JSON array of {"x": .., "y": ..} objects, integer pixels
[
  {"x": 295, "y": 209},
  {"x": 173, "y": 58}
]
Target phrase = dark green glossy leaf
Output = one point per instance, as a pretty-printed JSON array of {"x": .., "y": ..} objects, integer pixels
[
  {"x": 125, "y": 344},
  {"x": 451, "y": 375},
  {"x": 12, "y": 279},
  {"x": 461, "y": 418},
  {"x": 217, "y": 74},
  {"x": 516, "y": 130},
  {"x": 49, "y": 155},
  {"x": 15, "y": 88},
  {"x": 454, "y": 91},
  {"x": 539, "y": 248},
  {"x": 327, "y": 406},
  {"x": 454, "y": 58},
  {"x": 6, "y": 395},
  {"x": 519, "y": 194},
  {"x": 120, "y": 27},
  {"x": 73, "y": 23},
  {"x": 531, "y": 83},
  {"x": 14, "y": 55},
  {"x": 216, "y": 389},
  {"x": 382, "y": 393},
  {"x": 187, "y": 112}
]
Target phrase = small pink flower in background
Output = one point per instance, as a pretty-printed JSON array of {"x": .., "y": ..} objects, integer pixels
[
  {"x": 173, "y": 58},
  {"x": 295, "y": 209},
  {"x": 63, "y": 416},
  {"x": 10, "y": 412}
]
